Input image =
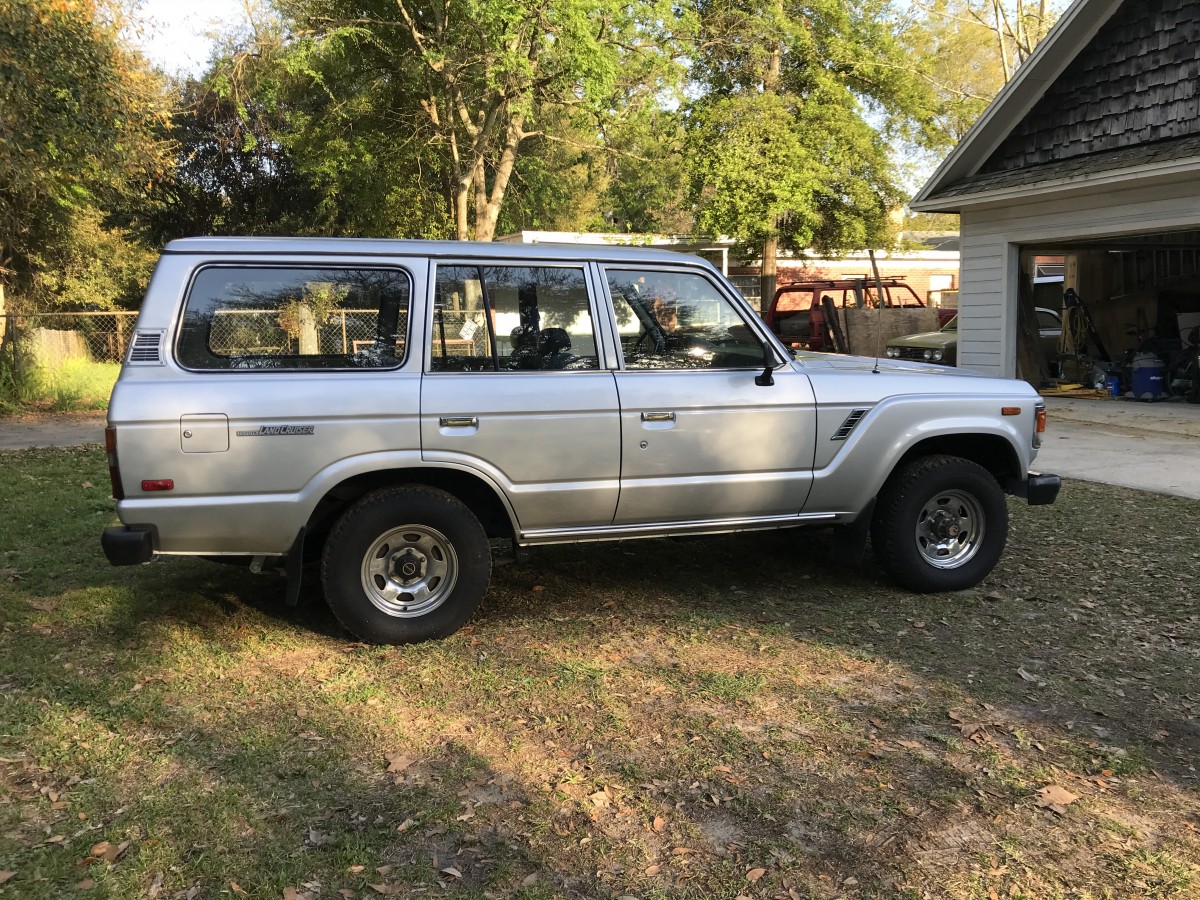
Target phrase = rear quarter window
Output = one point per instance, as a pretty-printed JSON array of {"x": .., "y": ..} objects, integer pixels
[{"x": 274, "y": 318}]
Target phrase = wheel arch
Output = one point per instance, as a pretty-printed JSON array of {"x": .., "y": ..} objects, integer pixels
[
  {"x": 483, "y": 498},
  {"x": 993, "y": 452}
]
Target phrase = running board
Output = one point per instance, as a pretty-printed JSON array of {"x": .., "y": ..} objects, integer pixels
[{"x": 668, "y": 529}]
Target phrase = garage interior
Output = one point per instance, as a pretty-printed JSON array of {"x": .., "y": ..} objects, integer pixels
[{"x": 1130, "y": 317}]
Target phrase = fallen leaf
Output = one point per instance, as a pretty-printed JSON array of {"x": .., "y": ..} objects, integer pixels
[
  {"x": 652, "y": 870},
  {"x": 237, "y": 889},
  {"x": 6, "y": 874},
  {"x": 851, "y": 881},
  {"x": 86, "y": 885},
  {"x": 354, "y": 870},
  {"x": 398, "y": 762},
  {"x": 680, "y": 851},
  {"x": 600, "y": 799},
  {"x": 388, "y": 890},
  {"x": 346, "y": 893},
  {"x": 659, "y": 823},
  {"x": 155, "y": 886},
  {"x": 452, "y": 872},
  {"x": 1025, "y": 676},
  {"x": 910, "y": 745},
  {"x": 317, "y": 839},
  {"x": 1056, "y": 798},
  {"x": 754, "y": 874},
  {"x": 384, "y": 871},
  {"x": 529, "y": 880},
  {"x": 86, "y": 485},
  {"x": 44, "y": 605}
]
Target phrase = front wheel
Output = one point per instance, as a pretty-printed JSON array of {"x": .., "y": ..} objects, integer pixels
[
  {"x": 406, "y": 564},
  {"x": 940, "y": 524}
]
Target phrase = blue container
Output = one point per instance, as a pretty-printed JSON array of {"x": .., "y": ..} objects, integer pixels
[
  {"x": 1147, "y": 378},
  {"x": 1114, "y": 385}
]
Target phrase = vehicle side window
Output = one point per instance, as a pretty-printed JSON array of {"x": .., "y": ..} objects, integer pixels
[
  {"x": 794, "y": 300},
  {"x": 1048, "y": 320},
  {"x": 271, "y": 318},
  {"x": 677, "y": 320},
  {"x": 512, "y": 318}
]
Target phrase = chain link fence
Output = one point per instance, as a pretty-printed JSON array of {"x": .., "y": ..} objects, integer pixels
[
  {"x": 258, "y": 332},
  {"x": 63, "y": 360}
]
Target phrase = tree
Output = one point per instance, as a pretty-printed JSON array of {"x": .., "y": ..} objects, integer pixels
[
  {"x": 464, "y": 86},
  {"x": 967, "y": 50},
  {"x": 78, "y": 119},
  {"x": 788, "y": 145},
  {"x": 231, "y": 172}
]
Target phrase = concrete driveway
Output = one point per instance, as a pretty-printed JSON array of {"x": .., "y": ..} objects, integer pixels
[{"x": 1148, "y": 446}]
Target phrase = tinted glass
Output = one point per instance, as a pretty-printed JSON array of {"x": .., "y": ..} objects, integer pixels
[
  {"x": 292, "y": 318},
  {"x": 1047, "y": 320},
  {"x": 512, "y": 318},
  {"x": 677, "y": 320}
]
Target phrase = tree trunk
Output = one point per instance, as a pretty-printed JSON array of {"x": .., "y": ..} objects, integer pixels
[
  {"x": 768, "y": 274},
  {"x": 462, "y": 193}
]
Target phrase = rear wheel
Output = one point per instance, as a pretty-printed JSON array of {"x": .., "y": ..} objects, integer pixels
[
  {"x": 406, "y": 564},
  {"x": 940, "y": 524}
]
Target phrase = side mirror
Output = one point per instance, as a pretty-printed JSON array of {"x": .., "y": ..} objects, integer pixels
[{"x": 767, "y": 377}]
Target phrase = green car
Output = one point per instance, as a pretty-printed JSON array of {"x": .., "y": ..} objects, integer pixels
[{"x": 942, "y": 346}]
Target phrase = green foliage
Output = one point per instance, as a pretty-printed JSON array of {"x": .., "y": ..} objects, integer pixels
[
  {"x": 792, "y": 138},
  {"x": 428, "y": 109},
  {"x": 94, "y": 267},
  {"x": 78, "y": 114}
]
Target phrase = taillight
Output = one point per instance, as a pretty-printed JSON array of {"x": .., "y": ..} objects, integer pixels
[
  {"x": 1039, "y": 419},
  {"x": 114, "y": 472}
]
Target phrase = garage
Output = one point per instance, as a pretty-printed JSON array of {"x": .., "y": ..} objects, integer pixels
[{"x": 1079, "y": 195}]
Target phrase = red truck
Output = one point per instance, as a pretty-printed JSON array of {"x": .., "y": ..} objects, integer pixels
[{"x": 797, "y": 313}]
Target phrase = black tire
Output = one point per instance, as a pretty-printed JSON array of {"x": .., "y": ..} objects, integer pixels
[
  {"x": 940, "y": 524},
  {"x": 406, "y": 564}
]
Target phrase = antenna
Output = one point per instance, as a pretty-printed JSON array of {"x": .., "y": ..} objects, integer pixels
[{"x": 878, "y": 307}]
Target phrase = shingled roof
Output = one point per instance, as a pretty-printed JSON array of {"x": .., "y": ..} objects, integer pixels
[{"x": 1113, "y": 87}]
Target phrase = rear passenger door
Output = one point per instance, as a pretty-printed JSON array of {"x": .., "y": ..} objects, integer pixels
[{"x": 515, "y": 387}]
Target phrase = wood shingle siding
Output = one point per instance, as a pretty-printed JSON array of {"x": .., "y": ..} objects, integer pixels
[{"x": 1136, "y": 82}]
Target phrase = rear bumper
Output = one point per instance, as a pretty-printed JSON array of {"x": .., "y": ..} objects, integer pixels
[
  {"x": 126, "y": 545},
  {"x": 1039, "y": 490}
]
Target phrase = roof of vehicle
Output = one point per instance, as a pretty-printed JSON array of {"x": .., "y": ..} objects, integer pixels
[
  {"x": 809, "y": 284},
  {"x": 308, "y": 246}
]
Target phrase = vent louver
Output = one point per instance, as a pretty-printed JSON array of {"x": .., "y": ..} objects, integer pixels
[
  {"x": 146, "y": 349},
  {"x": 849, "y": 425}
]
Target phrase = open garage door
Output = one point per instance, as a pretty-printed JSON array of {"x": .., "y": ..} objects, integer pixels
[{"x": 1121, "y": 315}]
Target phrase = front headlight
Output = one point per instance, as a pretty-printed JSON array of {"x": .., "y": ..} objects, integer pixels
[
  {"x": 928, "y": 354},
  {"x": 937, "y": 355},
  {"x": 892, "y": 352}
]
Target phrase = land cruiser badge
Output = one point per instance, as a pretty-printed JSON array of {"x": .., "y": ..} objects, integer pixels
[{"x": 278, "y": 430}]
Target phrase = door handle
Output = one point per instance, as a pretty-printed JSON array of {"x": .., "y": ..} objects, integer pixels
[
  {"x": 658, "y": 417},
  {"x": 459, "y": 421}
]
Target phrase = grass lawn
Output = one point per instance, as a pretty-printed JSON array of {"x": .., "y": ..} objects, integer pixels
[{"x": 717, "y": 717}]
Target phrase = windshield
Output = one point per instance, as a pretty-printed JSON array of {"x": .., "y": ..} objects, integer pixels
[{"x": 952, "y": 325}]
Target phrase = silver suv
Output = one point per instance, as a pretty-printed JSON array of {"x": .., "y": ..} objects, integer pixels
[{"x": 390, "y": 407}]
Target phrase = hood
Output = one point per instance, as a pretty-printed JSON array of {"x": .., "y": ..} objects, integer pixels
[
  {"x": 927, "y": 340},
  {"x": 811, "y": 360}
]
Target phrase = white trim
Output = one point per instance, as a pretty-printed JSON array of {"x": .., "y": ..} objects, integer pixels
[{"x": 1082, "y": 182}]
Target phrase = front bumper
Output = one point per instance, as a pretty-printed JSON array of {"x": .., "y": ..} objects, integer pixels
[
  {"x": 1039, "y": 490},
  {"x": 126, "y": 545}
]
